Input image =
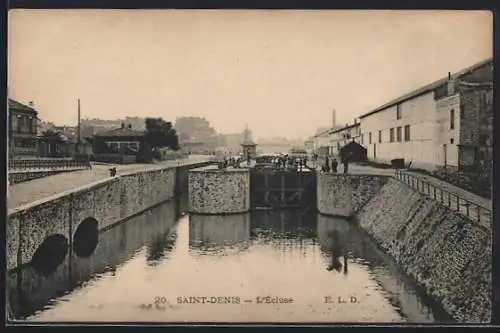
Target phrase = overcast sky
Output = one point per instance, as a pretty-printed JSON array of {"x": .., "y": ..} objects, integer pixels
[{"x": 282, "y": 72}]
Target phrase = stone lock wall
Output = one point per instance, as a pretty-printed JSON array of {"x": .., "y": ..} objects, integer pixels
[
  {"x": 214, "y": 191},
  {"x": 444, "y": 252},
  {"x": 343, "y": 195},
  {"x": 108, "y": 201}
]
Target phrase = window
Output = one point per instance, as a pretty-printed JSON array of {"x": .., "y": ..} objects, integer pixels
[
  {"x": 452, "y": 119},
  {"x": 34, "y": 125},
  {"x": 370, "y": 138},
  {"x": 391, "y": 135},
  {"x": 407, "y": 133},
  {"x": 362, "y": 137},
  {"x": 398, "y": 134},
  {"x": 379, "y": 136},
  {"x": 398, "y": 111},
  {"x": 14, "y": 124},
  {"x": 452, "y": 140}
]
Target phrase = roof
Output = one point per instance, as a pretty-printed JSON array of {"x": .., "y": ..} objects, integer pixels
[
  {"x": 343, "y": 128},
  {"x": 352, "y": 145},
  {"x": 15, "y": 105},
  {"x": 427, "y": 88},
  {"x": 121, "y": 132}
]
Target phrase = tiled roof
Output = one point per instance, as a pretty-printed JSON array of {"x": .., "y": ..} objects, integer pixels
[
  {"x": 428, "y": 88},
  {"x": 19, "y": 106},
  {"x": 121, "y": 132}
]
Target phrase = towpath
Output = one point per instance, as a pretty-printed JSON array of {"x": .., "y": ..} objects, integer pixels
[
  {"x": 468, "y": 201},
  {"x": 26, "y": 192}
]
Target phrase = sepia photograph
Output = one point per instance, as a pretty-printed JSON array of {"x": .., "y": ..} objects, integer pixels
[{"x": 249, "y": 166}]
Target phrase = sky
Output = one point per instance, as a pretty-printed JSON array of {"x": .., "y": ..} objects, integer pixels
[{"x": 280, "y": 72}]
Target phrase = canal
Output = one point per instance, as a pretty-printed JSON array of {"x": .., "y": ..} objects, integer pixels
[{"x": 163, "y": 266}]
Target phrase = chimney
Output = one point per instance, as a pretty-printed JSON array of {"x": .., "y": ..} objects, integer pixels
[
  {"x": 123, "y": 125},
  {"x": 334, "y": 118},
  {"x": 451, "y": 85},
  {"x": 355, "y": 121}
]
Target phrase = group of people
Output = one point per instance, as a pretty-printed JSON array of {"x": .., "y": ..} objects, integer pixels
[
  {"x": 333, "y": 167},
  {"x": 234, "y": 162},
  {"x": 288, "y": 162}
]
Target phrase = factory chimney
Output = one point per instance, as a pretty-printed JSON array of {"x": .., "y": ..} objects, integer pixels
[{"x": 334, "y": 118}]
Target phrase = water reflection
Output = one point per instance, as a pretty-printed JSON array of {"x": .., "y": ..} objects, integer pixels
[
  {"x": 282, "y": 253},
  {"x": 30, "y": 291},
  {"x": 339, "y": 237},
  {"x": 219, "y": 234},
  {"x": 285, "y": 224}
]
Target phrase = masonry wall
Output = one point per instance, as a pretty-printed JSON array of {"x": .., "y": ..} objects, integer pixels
[
  {"x": 115, "y": 247},
  {"x": 446, "y": 253},
  {"x": 108, "y": 201},
  {"x": 214, "y": 191},
  {"x": 343, "y": 195}
]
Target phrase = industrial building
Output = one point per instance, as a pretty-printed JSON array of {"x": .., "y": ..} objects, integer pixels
[{"x": 434, "y": 126}]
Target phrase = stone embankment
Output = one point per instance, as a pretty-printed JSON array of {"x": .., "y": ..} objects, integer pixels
[
  {"x": 444, "y": 252},
  {"x": 107, "y": 201},
  {"x": 343, "y": 195}
]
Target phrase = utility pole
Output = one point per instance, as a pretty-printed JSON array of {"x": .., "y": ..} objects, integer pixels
[{"x": 78, "y": 129}]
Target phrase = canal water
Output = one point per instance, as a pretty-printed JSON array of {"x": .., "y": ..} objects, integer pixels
[{"x": 163, "y": 266}]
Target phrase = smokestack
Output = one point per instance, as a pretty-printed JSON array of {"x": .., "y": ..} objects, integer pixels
[
  {"x": 451, "y": 85},
  {"x": 334, "y": 118},
  {"x": 78, "y": 126}
]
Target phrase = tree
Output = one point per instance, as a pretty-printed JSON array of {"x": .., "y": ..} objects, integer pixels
[
  {"x": 52, "y": 139},
  {"x": 161, "y": 134}
]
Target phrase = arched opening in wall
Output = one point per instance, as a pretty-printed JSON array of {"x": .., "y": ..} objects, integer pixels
[
  {"x": 86, "y": 238},
  {"x": 50, "y": 254}
]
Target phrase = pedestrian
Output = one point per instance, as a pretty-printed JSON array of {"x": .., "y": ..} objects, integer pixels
[
  {"x": 346, "y": 165},
  {"x": 327, "y": 164},
  {"x": 335, "y": 165}
]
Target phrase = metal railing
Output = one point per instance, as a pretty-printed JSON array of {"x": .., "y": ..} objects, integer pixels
[
  {"x": 451, "y": 200},
  {"x": 37, "y": 164}
]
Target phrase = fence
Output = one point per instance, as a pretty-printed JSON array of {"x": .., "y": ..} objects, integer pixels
[
  {"x": 453, "y": 201},
  {"x": 47, "y": 164}
]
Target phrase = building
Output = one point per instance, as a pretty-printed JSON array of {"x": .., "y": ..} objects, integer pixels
[
  {"x": 23, "y": 128},
  {"x": 339, "y": 137},
  {"x": 352, "y": 152},
  {"x": 430, "y": 127},
  {"x": 121, "y": 145},
  {"x": 249, "y": 148}
]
